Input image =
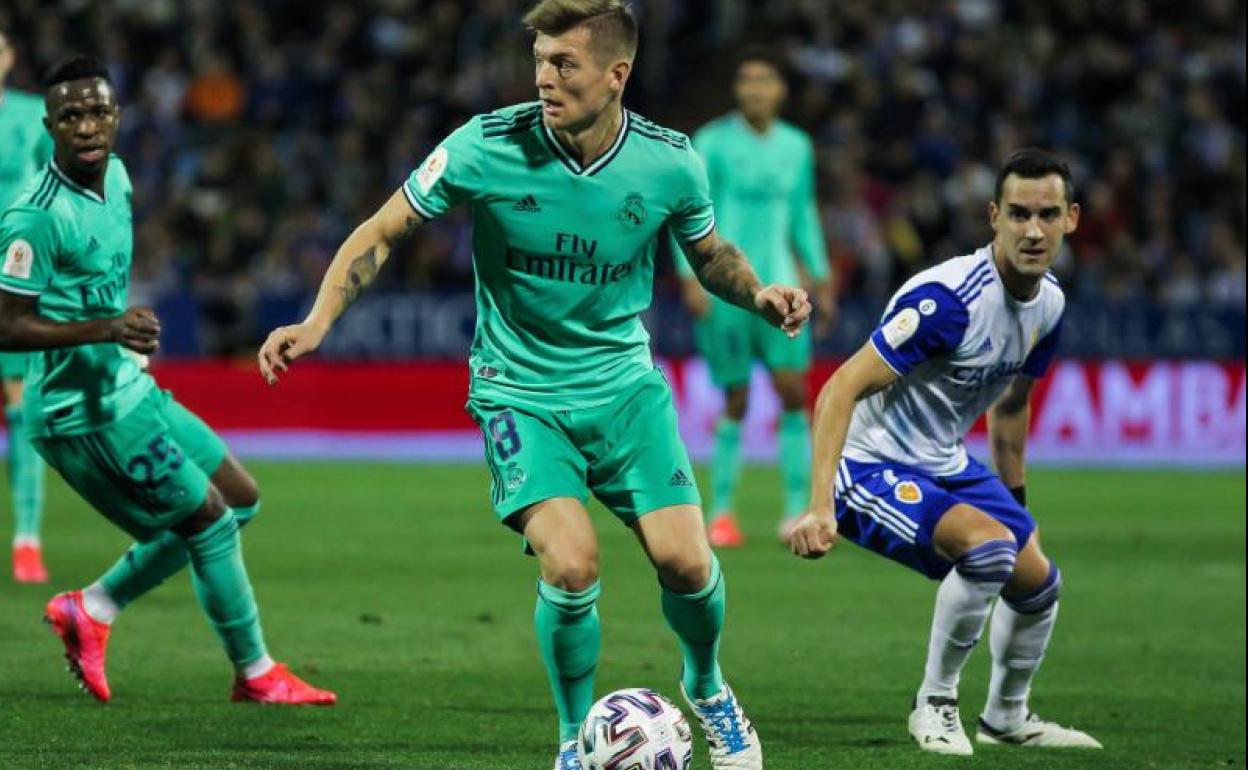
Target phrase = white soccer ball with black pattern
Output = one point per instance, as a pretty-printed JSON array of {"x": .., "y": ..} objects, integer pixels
[{"x": 635, "y": 729}]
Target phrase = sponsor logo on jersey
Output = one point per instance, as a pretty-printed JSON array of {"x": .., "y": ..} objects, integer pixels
[
  {"x": 984, "y": 376},
  {"x": 432, "y": 170},
  {"x": 568, "y": 269},
  {"x": 902, "y": 327},
  {"x": 528, "y": 204},
  {"x": 908, "y": 492},
  {"x": 927, "y": 306},
  {"x": 18, "y": 259},
  {"x": 634, "y": 213}
]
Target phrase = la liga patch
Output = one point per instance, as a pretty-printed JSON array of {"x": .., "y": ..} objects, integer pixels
[
  {"x": 902, "y": 327},
  {"x": 432, "y": 170},
  {"x": 18, "y": 259}
]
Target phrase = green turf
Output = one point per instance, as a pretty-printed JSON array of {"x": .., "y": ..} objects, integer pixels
[{"x": 393, "y": 585}]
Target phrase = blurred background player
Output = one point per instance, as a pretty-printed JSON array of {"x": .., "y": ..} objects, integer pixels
[
  {"x": 568, "y": 196},
  {"x": 141, "y": 459},
  {"x": 892, "y": 474},
  {"x": 25, "y": 147},
  {"x": 762, "y": 175}
]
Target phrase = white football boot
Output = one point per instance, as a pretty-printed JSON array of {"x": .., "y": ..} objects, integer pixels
[
  {"x": 936, "y": 726},
  {"x": 1034, "y": 731},
  {"x": 729, "y": 734}
]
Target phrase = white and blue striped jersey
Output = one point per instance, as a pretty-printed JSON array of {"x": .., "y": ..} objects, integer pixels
[{"x": 957, "y": 339}]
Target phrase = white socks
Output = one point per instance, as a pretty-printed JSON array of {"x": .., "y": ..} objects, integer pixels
[
  {"x": 99, "y": 605},
  {"x": 257, "y": 668},
  {"x": 1018, "y": 643}
]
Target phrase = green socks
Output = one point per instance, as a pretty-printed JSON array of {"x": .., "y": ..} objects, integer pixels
[
  {"x": 794, "y": 441},
  {"x": 698, "y": 620},
  {"x": 146, "y": 565},
  {"x": 725, "y": 466},
  {"x": 25, "y": 479},
  {"x": 569, "y": 636},
  {"x": 224, "y": 590}
]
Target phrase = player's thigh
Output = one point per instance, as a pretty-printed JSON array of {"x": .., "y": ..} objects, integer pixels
[
  {"x": 893, "y": 511},
  {"x": 133, "y": 472},
  {"x": 530, "y": 458},
  {"x": 777, "y": 351},
  {"x": 638, "y": 462},
  {"x": 978, "y": 486},
  {"x": 723, "y": 339},
  {"x": 207, "y": 450},
  {"x": 674, "y": 539},
  {"x": 559, "y": 532}
]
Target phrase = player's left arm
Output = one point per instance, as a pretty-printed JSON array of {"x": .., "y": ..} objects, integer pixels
[
  {"x": 1008, "y": 421},
  {"x": 723, "y": 269}
]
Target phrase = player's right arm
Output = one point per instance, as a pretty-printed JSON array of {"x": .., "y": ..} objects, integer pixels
[
  {"x": 29, "y": 243},
  {"x": 925, "y": 322},
  {"x": 865, "y": 373},
  {"x": 352, "y": 270},
  {"x": 449, "y": 176}
]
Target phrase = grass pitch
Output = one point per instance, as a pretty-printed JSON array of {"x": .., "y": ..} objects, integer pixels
[{"x": 394, "y": 586}]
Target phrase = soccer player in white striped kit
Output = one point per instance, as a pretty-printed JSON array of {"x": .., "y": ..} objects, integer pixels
[{"x": 892, "y": 473}]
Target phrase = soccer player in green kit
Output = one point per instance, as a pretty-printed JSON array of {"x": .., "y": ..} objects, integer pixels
[
  {"x": 131, "y": 451},
  {"x": 568, "y": 196},
  {"x": 762, "y": 174},
  {"x": 26, "y": 148}
]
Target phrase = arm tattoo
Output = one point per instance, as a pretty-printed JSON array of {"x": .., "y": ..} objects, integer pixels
[
  {"x": 360, "y": 273},
  {"x": 410, "y": 226},
  {"x": 726, "y": 273}
]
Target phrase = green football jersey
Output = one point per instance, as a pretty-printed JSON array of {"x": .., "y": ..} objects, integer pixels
[
  {"x": 763, "y": 186},
  {"x": 25, "y": 142},
  {"x": 71, "y": 248},
  {"x": 563, "y": 254}
]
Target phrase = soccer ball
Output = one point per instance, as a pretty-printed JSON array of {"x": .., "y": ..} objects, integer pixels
[{"x": 635, "y": 729}]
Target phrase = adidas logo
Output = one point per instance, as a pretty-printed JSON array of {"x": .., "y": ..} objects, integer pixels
[
  {"x": 527, "y": 204},
  {"x": 92, "y": 244},
  {"x": 680, "y": 479},
  {"x": 987, "y": 346}
]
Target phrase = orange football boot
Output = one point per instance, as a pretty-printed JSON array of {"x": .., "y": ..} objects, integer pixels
[
  {"x": 28, "y": 564},
  {"x": 280, "y": 686},
  {"x": 85, "y": 640},
  {"x": 723, "y": 532}
]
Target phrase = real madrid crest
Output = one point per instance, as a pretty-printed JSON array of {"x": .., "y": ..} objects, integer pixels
[{"x": 634, "y": 212}]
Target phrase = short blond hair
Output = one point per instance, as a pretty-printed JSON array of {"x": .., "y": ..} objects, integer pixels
[{"x": 611, "y": 24}]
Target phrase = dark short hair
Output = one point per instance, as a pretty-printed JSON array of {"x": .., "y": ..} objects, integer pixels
[
  {"x": 75, "y": 67},
  {"x": 756, "y": 52},
  {"x": 1034, "y": 163},
  {"x": 611, "y": 23}
]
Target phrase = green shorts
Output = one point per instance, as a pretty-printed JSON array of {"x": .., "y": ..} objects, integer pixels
[
  {"x": 147, "y": 471},
  {"x": 628, "y": 453},
  {"x": 13, "y": 365},
  {"x": 731, "y": 340}
]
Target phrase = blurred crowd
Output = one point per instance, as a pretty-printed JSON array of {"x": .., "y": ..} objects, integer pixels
[{"x": 259, "y": 132}]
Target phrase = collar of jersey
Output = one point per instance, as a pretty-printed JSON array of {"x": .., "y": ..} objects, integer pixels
[
  {"x": 71, "y": 184},
  {"x": 571, "y": 164}
]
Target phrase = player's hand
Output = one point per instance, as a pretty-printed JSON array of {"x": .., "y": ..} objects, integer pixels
[
  {"x": 697, "y": 300},
  {"x": 814, "y": 535},
  {"x": 785, "y": 307},
  {"x": 137, "y": 329},
  {"x": 825, "y": 308},
  {"x": 284, "y": 345}
]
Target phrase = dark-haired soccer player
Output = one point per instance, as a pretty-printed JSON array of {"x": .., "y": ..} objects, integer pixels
[
  {"x": 136, "y": 455},
  {"x": 892, "y": 473},
  {"x": 568, "y": 196},
  {"x": 26, "y": 148},
  {"x": 762, "y": 175}
]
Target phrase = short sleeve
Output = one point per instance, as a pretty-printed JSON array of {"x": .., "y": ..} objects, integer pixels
[
  {"x": 450, "y": 175},
  {"x": 693, "y": 217},
  {"x": 926, "y": 322},
  {"x": 29, "y": 244},
  {"x": 1041, "y": 355}
]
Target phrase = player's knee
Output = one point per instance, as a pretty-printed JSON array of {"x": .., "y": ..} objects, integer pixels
[
  {"x": 990, "y": 561},
  {"x": 205, "y": 516},
  {"x": 792, "y": 393},
  {"x": 573, "y": 573},
  {"x": 1034, "y": 600},
  {"x": 685, "y": 573},
  {"x": 245, "y": 494}
]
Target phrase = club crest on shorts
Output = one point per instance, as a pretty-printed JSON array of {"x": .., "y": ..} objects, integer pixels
[
  {"x": 514, "y": 477},
  {"x": 908, "y": 492},
  {"x": 634, "y": 213}
]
